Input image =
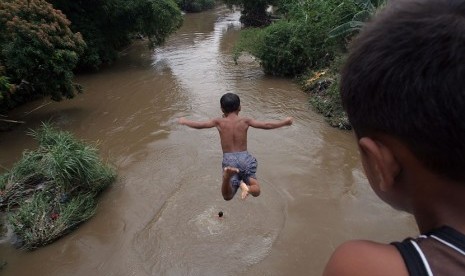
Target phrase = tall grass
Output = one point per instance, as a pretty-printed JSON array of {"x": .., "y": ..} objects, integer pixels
[{"x": 53, "y": 188}]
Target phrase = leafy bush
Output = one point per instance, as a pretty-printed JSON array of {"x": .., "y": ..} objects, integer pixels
[
  {"x": 299, "y": 41},
  {"x": 277, "y": 47},
  {"x": 195, "y": 5},
  {"x": 39, "y": 51},
  {"x": 157, "y": 19},
  {"x": 108, "y": 25},
  {"x": 251, "y": 41},
  {"x": 353, "y": 24},
  {"x": 285, "y": 48},
  {"x": 52, "y": 189},
  {"x": 5, "y": 89}
]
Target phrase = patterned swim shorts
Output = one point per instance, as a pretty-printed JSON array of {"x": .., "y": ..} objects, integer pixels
[{"x": 245, "y": 162}]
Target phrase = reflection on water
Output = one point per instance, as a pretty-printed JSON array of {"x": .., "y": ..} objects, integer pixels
[{"x": 160, "y": 218}]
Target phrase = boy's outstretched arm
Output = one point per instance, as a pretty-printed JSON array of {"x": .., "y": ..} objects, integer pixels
[
  {"x": 199, "y": 125},
  {"x": 271, "y": 124}
]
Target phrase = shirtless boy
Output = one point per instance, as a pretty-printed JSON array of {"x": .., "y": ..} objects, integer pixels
[
  {"x": 403, "y": 88},
  {"x": 239, "y": 166}
]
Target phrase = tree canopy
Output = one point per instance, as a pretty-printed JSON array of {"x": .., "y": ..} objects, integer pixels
[
  {"x": 195, "y": 5},
  {"x": 39, "y": 51},
  {"x": 109, "y": 25},
  {"x": 43, "y": 41}
]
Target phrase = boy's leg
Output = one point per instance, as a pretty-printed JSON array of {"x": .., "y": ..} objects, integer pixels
[
  {"x": 253, "y": 188},
  {"x": 226, "y": 188}
]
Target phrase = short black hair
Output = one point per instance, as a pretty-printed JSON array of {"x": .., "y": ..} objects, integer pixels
[
  {"x": 405, "y": 77},
  {"x": 230, "y": 102}
]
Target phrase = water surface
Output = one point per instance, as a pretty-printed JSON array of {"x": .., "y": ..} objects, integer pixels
[{"x": 160, "y": 217}]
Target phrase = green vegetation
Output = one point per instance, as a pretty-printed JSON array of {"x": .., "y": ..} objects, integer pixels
[
  {"x": 108, "y": 25},
  {"x": 254, "y": 12},
  {"x": 195, "y": 5},
  {"x": 52, "y": 189},
  {"x": 5, "y": 86},
  {"x": 43, "y": 41},
  {"x": 299, "y": 41},
  {"x": 251, "y": 41},
  {"x": 39, "y": 52},
  {"x": 307, "y": 41},
  {"x": 367, "y": 9},
  {"x": 323, "y": 86}
]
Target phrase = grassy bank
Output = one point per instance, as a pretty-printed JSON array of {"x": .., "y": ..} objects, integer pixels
[
  {"x": 52, "y": 189},
  {"x": 323, "y": 88}
]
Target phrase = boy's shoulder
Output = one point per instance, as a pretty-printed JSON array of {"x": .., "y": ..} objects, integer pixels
[
  {"x": 365, "y": 258},
  {"x": 236, "y": 118}
]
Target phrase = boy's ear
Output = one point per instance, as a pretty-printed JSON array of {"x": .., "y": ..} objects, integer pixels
[{"x": 380, "y": 161}]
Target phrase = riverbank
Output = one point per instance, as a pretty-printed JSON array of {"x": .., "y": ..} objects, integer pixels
[{"x": 323, "y": 89}]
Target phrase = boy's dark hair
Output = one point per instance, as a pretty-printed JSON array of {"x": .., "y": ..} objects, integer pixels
[
  {"x": 405, "y": 77},
  {"x": 230, "y": 102}
]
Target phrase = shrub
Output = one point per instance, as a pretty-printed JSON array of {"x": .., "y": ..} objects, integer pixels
[
  {"x": 195, "y": 5},
  {"x": 284, "y": 49},
  {"x": 298, "y": 42},
  {"x": 108, "y": 25},
  {"x": 251, "y": 41},
  {"x": 38, "y": 49},
  {"x": 5, "y": 89},
  {"x": 157, "y": 19},
  {"x": 353, "y": 22}
]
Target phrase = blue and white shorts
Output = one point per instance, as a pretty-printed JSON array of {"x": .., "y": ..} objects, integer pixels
[{"x": 245, "y": 162}]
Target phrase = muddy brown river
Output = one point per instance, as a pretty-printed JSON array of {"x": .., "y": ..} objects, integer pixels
[{"x": 160, "y": 217}]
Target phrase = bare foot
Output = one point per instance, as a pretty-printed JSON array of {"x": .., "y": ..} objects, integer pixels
[
  {"x": 226, "y": 188},
  {"x": 245, "y": 190},
  {"x": 230, "y": 171}
]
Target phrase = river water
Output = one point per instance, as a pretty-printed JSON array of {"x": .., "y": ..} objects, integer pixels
[{"x": 160, "y": 217}]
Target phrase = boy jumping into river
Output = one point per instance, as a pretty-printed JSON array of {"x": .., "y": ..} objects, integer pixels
[
  {"x": 239, "y": 166},
  {"x": 403, "y": 88}
]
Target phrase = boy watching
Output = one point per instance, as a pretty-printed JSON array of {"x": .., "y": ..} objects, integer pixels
[{"x": 403, "y": 88}]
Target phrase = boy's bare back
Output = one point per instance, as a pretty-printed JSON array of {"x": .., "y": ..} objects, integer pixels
[
  {"x": 233, "y": 130},
  {"x": 233, "y": 133}
]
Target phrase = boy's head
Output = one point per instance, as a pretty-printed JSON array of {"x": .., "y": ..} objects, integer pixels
[
  {"x": 405, "y": 77},
  {"x": 230, "y": 102}
]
